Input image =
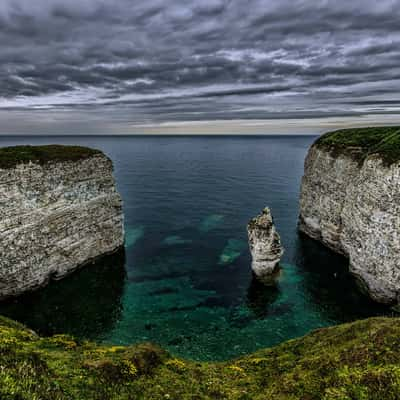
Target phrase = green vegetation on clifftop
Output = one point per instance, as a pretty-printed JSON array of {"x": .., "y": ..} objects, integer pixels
[
  {"x": 354, "y": 361},
  {"x": 12, "y": 156},
  {"x": 362, "y": 142}
]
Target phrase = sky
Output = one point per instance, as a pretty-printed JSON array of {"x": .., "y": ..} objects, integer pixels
[{"x": 205, "y": 66}]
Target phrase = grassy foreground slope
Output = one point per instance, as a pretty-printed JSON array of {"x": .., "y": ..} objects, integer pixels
[
  {"x": 383, "y": 142},
  {"x": 360, "y": 360}
]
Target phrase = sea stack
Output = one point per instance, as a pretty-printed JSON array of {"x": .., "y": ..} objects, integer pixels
[
  {"x": 265, "y": 244},
  {"x": 59, "y": 210},
  {"x": 350, "y": 201}
]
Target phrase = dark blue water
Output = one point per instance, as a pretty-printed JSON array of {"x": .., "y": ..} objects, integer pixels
[{"x": 185, "y": 280}]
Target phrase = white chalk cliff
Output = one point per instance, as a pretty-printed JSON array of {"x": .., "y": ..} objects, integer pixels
[
  {"x": 352, "y": 205},
  {"x": 55, "y": 215}
]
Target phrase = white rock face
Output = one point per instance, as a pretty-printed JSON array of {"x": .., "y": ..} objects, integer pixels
[
  {"x": 354, "y": 208},
  {"x": 265, "y": 244},
  {"x": 54, "y": 218}
]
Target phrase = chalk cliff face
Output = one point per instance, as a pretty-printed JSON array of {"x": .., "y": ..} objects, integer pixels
[
  {"x": 265, "y": 244},
  {"x": 351, "y": 203},
  {"x": 55, "y": 215}
]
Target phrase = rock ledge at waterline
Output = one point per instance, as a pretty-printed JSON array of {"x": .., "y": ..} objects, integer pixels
[
  {"x": 59, "y": 209},
  {"x": 350, "y": 201}
]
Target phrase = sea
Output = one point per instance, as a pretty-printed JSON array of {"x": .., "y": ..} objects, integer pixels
[{"x": 184, "y": 280}]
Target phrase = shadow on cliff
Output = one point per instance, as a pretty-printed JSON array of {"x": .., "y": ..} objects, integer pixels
[
  {"x": 85, "y": 304},
  {"x": 330, "y": 285}
]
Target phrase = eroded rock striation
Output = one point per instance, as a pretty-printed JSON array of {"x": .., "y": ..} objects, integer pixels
[
  {"x": 350, "y": 201},
  {"x": 265, "y": 244},
  {"x": 59, "y": 209}
]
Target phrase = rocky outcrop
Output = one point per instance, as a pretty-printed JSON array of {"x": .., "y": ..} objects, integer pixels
[
  {"x": 350, "y": 201},
  {"x": 59, "y": 209},
  {"x": 265, "y": 244}
]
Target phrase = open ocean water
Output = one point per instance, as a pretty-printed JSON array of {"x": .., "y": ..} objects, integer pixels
[{"x": 185, "y": 280}]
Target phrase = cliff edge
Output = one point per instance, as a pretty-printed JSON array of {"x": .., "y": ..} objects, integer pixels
[
  {"x": 59, "y": 210},
  {"x": 360, "y": 360},
  {"x": 350, "y": 201}
]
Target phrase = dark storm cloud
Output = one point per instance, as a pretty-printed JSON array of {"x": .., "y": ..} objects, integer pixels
[{"x": 133, "y": 62}]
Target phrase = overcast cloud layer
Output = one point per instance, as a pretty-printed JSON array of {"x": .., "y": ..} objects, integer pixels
[{"x": 123, "y": 66}]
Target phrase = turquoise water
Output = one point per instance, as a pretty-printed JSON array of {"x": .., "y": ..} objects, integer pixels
[{"x": 184, "y": 280}]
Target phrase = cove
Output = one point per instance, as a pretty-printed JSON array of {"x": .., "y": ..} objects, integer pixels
[{"x": 184, "y": 279}]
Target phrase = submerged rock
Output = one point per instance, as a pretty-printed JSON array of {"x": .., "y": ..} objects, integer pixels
[
  {"x": 265, "y": 244},
  {"x": 210, "y": 223},
  {"x": 174, "y": 240},
  {"x": 132, "y": 235},
  {"x": 59, "y": 210},
  {"x": 231, "y": 251}
]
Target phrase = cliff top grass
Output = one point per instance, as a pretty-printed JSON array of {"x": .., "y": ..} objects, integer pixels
[
  {"x": 355, "y": 361},
  {"x": 360, "y": 143},
  {"x": 12, "y": 156}
]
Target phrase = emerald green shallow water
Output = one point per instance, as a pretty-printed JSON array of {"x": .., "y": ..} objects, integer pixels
[{"x": 184, "y": 280}]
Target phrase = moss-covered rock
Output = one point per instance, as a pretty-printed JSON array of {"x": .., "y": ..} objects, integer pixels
[
  {"x": 12, "y": 156},
  {"x": 359, "y": 143},
  {"x": 360, "y": 360}
]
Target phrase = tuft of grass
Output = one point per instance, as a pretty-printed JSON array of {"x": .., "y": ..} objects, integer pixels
[
  {"x": 12, "y": 156},
  {"x": 359, "y": 143},
  {"x": 354, "y": 361}
]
